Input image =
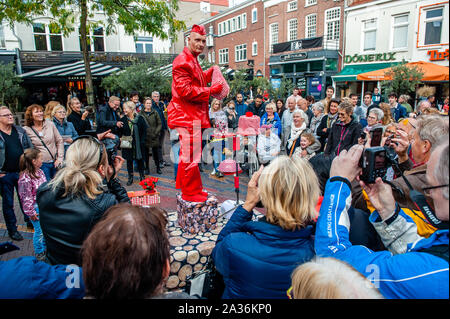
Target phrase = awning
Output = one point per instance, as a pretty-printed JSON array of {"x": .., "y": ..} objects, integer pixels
[
  {"x": 350, "y": 72},
  {"x": 71, "y": 69},
  {"x": 432, "y": 72}
]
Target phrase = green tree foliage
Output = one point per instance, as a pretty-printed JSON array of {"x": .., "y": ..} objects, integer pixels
[
  {"x": 155, "y": 17},
  {"x": 404, "y": 79},
  {"x": 239, "y": 83},
  {"x": 10, "y": 89},
  {"x": 141, "y": 77},
  {"x": 283, "y": 91}
]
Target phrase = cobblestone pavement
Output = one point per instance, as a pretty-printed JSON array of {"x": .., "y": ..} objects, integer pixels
[{"x": 222, "y": 188}]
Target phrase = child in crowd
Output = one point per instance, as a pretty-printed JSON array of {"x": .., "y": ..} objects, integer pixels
[
  {"x": 306, "y": 140},
  {"x": 31, "y": 177}
]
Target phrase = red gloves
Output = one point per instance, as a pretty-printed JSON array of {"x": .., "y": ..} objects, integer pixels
[{"x": 215, "y": 89}]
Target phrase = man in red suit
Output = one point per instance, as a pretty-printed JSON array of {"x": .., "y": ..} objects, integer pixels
[{"x": 188, "y": 113}]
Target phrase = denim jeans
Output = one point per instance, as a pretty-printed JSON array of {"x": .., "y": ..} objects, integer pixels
[
  {"x": 38, "y": 238},
  {"x": 175, "y": 156},
  {"x": 217, "y": 152},
  {"x": 7, "y": 185},
  {"x": 49, "y": 170}
]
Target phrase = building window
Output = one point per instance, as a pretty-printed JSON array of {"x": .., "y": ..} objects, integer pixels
[
  {"x": 292, "y": 6},
  {"x": 292, "y": 29},
  {"x": 400, "y": 32},
  {"x": 311, "y": 26},
  {"x": 47, "y": 37},
  {"x": 433, "y": 26},
  {"x": 2, "y": 38},
  {"x": 244, "y": 20},
  {"x": 370, "y": 34},
  {"x": 310, "y": 2},
  {"x": 144, "y": 45},
  {"x": 220, "y": 28},
  {"x": 95, "y": 40},
  {"x": 240, "y": 52},
  {"x": 254, "y": 15},
  {"x": 273, "y": 35},
  {"x": 223, "y": 56},
  {"x": 332, "y": 23},
  {"x": 254, "y": 48}
]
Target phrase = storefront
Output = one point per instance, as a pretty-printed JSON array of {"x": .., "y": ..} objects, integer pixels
[
  {"x": 310, "y": 71},
  {"x": 346, "y": 81}
]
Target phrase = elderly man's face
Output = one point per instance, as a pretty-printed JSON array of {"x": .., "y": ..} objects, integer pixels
[
  {"x": 114, "y": 105},
  {"x": 372, "y": 119},
  {"x": 418, "y": 150},
  {"x": 439, "y": 201},
  {"x": 155, "y": 97},
  {"x": 291, "y": 104},
  {"x": 302, "y": 104},
  {"x": 196, "y": 43}
]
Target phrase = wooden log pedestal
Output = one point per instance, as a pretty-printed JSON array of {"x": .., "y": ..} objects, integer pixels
[{"x": 194, "y": 217}]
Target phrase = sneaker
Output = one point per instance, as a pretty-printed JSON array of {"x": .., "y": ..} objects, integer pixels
[
  {"x": 16, "y": 236},
  {"x": 219, "y": 174},
  {"x": 40, "y": 256},
  {"x": 213, "y": 172},
  {"x": 30, "y": 225}
]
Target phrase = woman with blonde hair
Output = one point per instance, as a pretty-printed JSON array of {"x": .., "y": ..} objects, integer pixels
[
  {"x": 75, "y": 200},
  {"x": 49, "y": 109},
  {"x": 387, "y": 118},
  {"x": 65, "y": 128},
  {"x": 45, "y": 137},
  {"x": 79, "y": 120},
  {"x": 135, "y": 128},
  {"x": 256, "y": 257},
  {"x": 330, "y": 278}
]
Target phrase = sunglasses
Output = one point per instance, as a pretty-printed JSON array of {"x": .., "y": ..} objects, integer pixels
[
  {"x": 341, "y": 114},
  {"x": 96, "y": 141}
]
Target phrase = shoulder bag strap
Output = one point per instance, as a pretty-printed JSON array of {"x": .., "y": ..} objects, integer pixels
[{"x": 43, "y": 143}]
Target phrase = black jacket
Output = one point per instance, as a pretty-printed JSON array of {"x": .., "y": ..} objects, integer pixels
[
  {"x": 343, "y": 136},
  {"x": 321, "y": 134},
  {"x": 81, "y": 126},
  {"x": 106, "y": 120},
  {"x": 130, "y": 154},
  {"x": 67, "y": 221},
  {"x": 257, "y": 111}
]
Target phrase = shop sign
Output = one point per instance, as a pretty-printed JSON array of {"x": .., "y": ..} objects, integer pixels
[
  {"x": 375, "y": 57},
  {"x": 435, "y": 55},
  {"x": 298, "y": 45},
  {"x": 112, "y": 58},
  {"x": 294, "y": 56}
]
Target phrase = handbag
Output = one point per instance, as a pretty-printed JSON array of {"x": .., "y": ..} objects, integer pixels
[
  {"x": 42, "y": 141},
  {"x": 206, "y": 283},
  {"x": 126, "y": 142}
]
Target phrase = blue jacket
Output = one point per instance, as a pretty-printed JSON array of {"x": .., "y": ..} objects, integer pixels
[
  {"x": 276, "y": 126},
  {"x": 241, "y": 109},
  {"x": 256, "y": 258},
  {"x": 66, "y": 128},
  {"x": 399, "y": 112},
  {"x": 412, "y": 275},
  {"x": 160, "y": 109},
  {"x": 28, "y": 278}
]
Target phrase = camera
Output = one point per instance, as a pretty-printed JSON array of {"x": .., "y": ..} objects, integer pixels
[
  {"x": 374, "y": 162},
  {"x": 111, "y": 146}
]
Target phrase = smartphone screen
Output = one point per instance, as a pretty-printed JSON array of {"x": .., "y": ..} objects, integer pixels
[{"x": 376, "y": 135}]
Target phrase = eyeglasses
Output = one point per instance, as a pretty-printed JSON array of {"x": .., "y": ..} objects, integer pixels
[
  {"x": 96, "y": 141},
  {"x": 372, "y": 117},
  {"x": 427, "y": 190},
  {"x": 6, "y": 115}
]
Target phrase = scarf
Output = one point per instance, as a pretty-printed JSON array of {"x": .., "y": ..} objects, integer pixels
[
  {"x": 331, "y": 119},
  {"x": 136, "y": 137},
  {"x": 295, "y": 133}
]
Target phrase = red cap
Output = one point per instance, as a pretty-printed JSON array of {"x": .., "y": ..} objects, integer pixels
[{"x": 198, "y": 29}]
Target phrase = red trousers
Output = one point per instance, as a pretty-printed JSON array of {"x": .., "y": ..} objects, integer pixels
[{"x": 189, "y": 179}]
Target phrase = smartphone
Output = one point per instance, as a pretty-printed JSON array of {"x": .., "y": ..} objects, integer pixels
[{"x": 375, "y": 137}]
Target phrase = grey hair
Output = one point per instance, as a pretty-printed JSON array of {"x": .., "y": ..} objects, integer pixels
[
  {"x": 155, "y": 92},
  {"x": 378, "y": 113},
  {"x": 318, "y": 106},
  {"x": 420, "y": 104},
  {"x": 302, "y": 114},
  {"x": 441, "y": 169},
  {"x": 432, "y": 127}
]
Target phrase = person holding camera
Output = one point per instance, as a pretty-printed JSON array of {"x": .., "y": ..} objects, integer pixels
[
  {"x": 75, "y": 115},
  {"x": 420, "y": 272},
  {"x": 76, "y": 199},
  {"x": 256, "y": 258},
  {"x": 46, "y": 138}
]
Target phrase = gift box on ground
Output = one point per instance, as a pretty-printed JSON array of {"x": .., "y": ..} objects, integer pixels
[
  {"x": 144, "y": 198},
  {"x": 196, "y": 217}
]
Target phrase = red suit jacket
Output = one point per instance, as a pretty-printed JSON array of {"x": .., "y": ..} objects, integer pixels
[{"x": 190, "y": 94}]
